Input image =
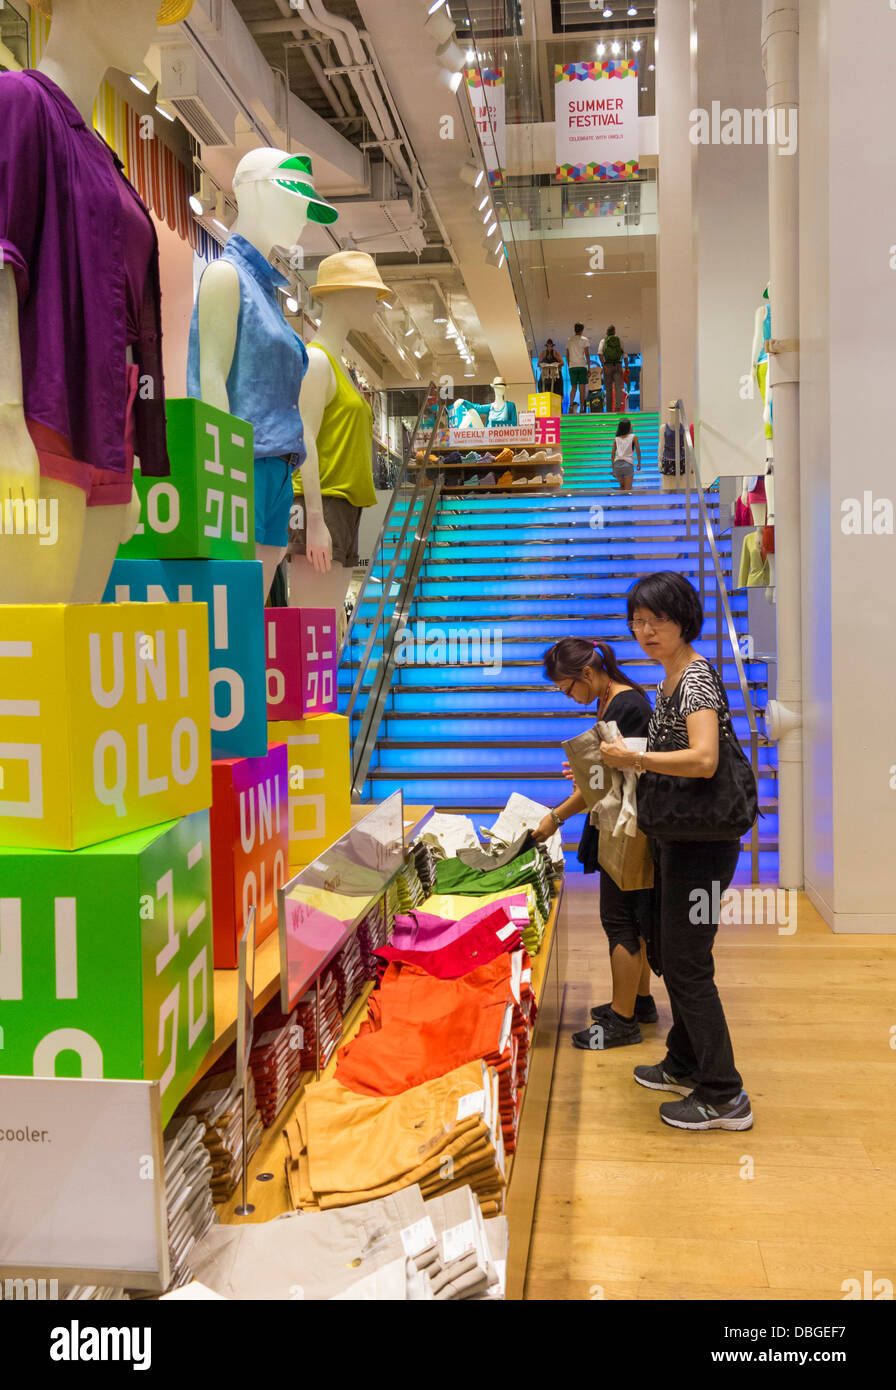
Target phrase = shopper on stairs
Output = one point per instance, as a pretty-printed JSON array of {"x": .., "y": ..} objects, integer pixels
[
  {"x": 625, "y": 450},
  {"x": 586, "y": 671},
  {"x": 666, "y": 617}
]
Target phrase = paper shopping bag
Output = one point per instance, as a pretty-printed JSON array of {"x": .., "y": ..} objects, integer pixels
[{"x": 627, "y": 859}]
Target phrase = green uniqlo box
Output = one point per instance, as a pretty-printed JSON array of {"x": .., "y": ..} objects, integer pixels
[
  {"x": 206, "y": 509},
  {"x": 106, "y": 962}
]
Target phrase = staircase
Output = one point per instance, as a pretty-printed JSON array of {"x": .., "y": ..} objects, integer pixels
[
  {"x": 469, "y": 717},
  {"x": 587, "y": 442}
]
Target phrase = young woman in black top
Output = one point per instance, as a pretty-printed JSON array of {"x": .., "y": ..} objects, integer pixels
[{"x": 586, "y": 671}]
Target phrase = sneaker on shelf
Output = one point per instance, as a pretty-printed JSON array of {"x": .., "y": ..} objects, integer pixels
[
  {"x": 505, "y": 456},
  {"x": 521, "y": 457},
  {"x": 656, "y": 1079},
  {"x": 472, "y": 482},
  {"x": 554, "y": 480},
  {"x": 453, "y": 457},
  {"x": 609, "y": 1031},
  {"x": 472, "y": 457},
  {"x": 692, "y": 1113},
  {"x": 555, "y": 458},
  {"x": 645, "y": 1009},
  {"x": 539, "y": 457},
  {"x": 487, "y": 480},
  {"x": 505, "y": 480},
  {"x": 520, "y": 482}
]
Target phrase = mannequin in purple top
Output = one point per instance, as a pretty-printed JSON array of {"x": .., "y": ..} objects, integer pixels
[{"x": 81, "y": 385}]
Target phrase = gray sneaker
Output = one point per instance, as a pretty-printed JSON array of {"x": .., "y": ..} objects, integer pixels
[
  {"x": 656, "y": 1079},
  {"x": 702, "y": 1114}
]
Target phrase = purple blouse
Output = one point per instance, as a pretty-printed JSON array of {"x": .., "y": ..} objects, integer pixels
[{"x": 62, "y": 232}]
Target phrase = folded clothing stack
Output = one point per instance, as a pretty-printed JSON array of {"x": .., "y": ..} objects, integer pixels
[
  {"x": 188, "y": 1192},
  {"x": 530, "y": 867},
  {"x": 373, "y": 933},
  {"x": 330, "y": 1024},
  {"x": 348, "y": 969},
  {"x": 420, "y": 1027},
  {"x": 447, "y": 948},
  {"x": 275, "y": 1060},
  {"x": 346, "y": 1147},
  {"x": 216, "y": 1102},
  {"x": 522, "y": 905},
  {"x": 446, "y": 834},
  {"x": 425, "y": 859},
  {"x": 99, "y": 1293},
  {"x": 397, "y": 1247},
  {"x": 411, "y": 892}
]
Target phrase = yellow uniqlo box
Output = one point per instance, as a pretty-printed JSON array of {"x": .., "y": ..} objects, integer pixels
[
  {"x": 546, "y": 403},
  {"x": 104, "y": 720},
  {"x": 320, "y": 801}
]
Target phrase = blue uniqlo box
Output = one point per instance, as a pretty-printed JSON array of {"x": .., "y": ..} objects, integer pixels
[{"x": 233, "y": 590}]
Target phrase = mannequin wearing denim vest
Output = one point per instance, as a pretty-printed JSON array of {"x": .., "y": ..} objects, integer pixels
[{"x": 244, "y": 357}]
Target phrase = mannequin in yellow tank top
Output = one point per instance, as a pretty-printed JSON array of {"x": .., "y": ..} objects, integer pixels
[{"x": 335, "y": 482}]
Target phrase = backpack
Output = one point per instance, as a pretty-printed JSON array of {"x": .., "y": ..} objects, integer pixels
[{"x": 612, "y": 349}]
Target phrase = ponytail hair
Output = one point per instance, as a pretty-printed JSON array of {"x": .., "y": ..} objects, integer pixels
[{"x": 567, "y": 659}]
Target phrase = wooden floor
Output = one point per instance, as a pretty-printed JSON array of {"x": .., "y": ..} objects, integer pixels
[{"x": 629, "y": 1208}]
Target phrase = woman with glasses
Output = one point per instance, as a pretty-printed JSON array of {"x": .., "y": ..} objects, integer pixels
[
  {"x": 587, "y": 671},
  {"x": 666, "y": 617}
]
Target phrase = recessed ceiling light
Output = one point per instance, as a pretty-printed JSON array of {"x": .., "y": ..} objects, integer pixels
[
  {"x": 470, "y": 55},
  {"x": 608, "y": 13},
  {"x": 632, "y": 11},
  {"x": 636, "y": 46},
  {"x": 601, "y": 49},
  {"x": 292, "y": 304},
  {"x": 162, "y": 112},
  {"x": 651, "y": 67},
  {"x": 614, "y": 47}
]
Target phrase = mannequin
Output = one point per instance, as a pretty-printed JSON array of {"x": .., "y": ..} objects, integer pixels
[
  {"x": 244, "y": 357},
  {"x": 753, "y": 495},
  {"x": 336, "y": 480},
  {"x": 762, "y": 332},
  {"x": 670, "y": 481},
  {"x": 70, "y": 408},
  {"x": 503, "y": 411}
]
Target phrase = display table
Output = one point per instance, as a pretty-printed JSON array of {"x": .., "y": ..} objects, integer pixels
[{"x": 267, "y": 1190}]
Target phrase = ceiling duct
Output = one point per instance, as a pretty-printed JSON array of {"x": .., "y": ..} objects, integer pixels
[{"x": 190, "y": 86}]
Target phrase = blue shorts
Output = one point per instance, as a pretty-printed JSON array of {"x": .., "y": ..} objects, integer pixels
[{"x": 273, "y": 501}]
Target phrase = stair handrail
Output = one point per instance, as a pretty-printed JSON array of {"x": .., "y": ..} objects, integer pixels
[
  {"x": 693, "y": 481},
  {"x": 406, "y": 465},
  {"x": 368, "y": 732}
]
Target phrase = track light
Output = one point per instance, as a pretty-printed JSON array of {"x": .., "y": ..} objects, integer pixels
[
  {"x": 485, "y": 202},
  {"x": 450, "y": 56},
  {"x": 292, "y": 304},
  {"x": 436, "y": 5},
  {"x": 632, "y": 12},
  {"x": 608, "y": 13},
  {"x": 141, "y": 86},
  {"x": 472, "y": 174},
  {"x": 490, "y": 231},
  {"x": 454, "y": 79},
  {"x": 440, "y": 25},
  {"x": 636, "y": 46},
  {"x": 202, "y": 201}
]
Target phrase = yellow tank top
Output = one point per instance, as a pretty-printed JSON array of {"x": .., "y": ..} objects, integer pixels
[{"x": 344, "y": 444}]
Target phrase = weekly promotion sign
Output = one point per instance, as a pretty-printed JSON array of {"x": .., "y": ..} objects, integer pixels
[
  {"x": 487, "y": 97},
  {"x": 596, "y": 120}
]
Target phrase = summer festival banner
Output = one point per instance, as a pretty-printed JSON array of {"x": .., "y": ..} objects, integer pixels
[
  {"x": 596, "y": 120},
  {"x": 487, "y": 98}
]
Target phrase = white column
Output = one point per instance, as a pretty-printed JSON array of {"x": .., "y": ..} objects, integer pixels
[
  {"x": 847, "y": 313},
  {"x": 676, "y": 278},
  {"x": 650, "y": 397},
  {"x": 731, "y": 219}
]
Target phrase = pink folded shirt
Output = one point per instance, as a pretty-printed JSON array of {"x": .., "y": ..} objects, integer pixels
[
  {"x": 486, "y": 939},
  {"x": 421, "y": 931}
]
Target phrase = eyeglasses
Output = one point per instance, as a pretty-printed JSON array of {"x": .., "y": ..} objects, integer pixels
[
  {"x": 639, "y": 624},
  {"x": 569, "y": 687}
]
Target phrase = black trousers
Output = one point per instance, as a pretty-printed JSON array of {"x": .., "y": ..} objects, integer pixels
[{"x": 692, "y": 878}]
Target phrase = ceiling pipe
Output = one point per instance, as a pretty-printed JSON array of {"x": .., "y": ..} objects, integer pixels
[{"x": 333, "y": 89}]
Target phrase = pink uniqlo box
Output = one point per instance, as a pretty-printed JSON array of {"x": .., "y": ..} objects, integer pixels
[
  {"x": 547, "y": 431},
  {"x": 300, "y": 653}
]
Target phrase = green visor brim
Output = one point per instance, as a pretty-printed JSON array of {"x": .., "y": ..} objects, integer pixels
[{"x": 317, "y": 211}]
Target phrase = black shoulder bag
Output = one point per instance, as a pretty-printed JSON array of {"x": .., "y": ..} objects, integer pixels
[{"x": 721, "y": 807}]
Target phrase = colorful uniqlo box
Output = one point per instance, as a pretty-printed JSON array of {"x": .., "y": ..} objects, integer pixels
[
  {"x": 547, "y": 431},
  {"x": 104, "y": 720},
  {"x": 300, "y": 649},
  {"x": 206, "y": 509},
  {"x": 107, "y": 959},
  {"x": 234, "y": 593},
  {"x": 319, "y": 783},
  {"x": 250, "y": 847},
  {"x": 546, "y": 403}
]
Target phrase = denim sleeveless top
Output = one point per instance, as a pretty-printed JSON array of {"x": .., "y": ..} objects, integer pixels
[{"x": 269, "y": 359}]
